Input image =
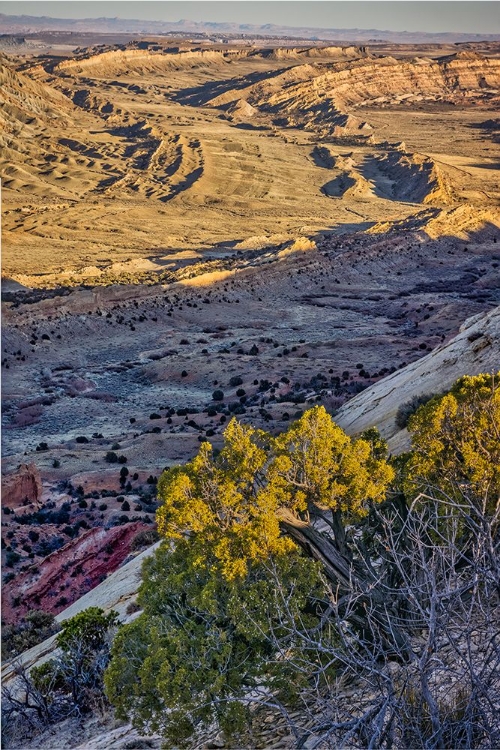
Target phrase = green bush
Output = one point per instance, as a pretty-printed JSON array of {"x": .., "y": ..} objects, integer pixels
[
  {"x": 408, "y": 408},
  {"x": 11, "y": 558},
  {"x": 32, "y": 629},
  {"x": 145, "y": 538}
]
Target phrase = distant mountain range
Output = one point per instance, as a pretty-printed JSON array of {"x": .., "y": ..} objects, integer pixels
[{"x": 33, "y": 24}]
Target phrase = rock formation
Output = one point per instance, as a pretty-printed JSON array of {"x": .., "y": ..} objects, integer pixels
[
  {"x": 22, "y": 489},
  {"x": 475, "y": 349}
]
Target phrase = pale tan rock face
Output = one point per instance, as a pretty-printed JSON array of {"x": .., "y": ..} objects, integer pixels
[{"x": 475, "y": 349}]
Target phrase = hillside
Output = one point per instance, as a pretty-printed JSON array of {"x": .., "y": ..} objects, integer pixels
[
  {"x": 195, "y": 230},
  {"x": 475, "y": 349},
  {"x": 200, "y": 145}
]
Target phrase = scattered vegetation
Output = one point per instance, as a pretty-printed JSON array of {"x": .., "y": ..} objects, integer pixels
[
  {"x": 70, "y": 684},
  {"x": 255, "y": 605},
  {"x": 299, "y": 566}
]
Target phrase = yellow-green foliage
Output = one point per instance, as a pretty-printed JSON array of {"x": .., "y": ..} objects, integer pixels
[
  {"x": 318, "y": 464},
  {"x": 222, "y": 501},
  {"x": 218, "y": 601},
  {"x": 230, "y": 604},
  {"x": 456, "y": 444},
  {"x": 203, "y": 643},
  {"x": 236, "y": 501}
]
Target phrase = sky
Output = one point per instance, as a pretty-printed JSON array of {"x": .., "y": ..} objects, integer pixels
[{"x": 470, "y": 16}]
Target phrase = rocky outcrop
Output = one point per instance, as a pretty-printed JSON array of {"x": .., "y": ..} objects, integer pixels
[
  {"x": 298, "y": 53},
  {"x": 415, "y": 177},
  {"x": 394, "y": 174},
  {"x": 25, "y": 100},
  {"x": 114, "y": 62},
  {"x": 316, "y": 94},
  {"x": 475, "y": 349},
  {"x": 22, "y": 489},
  {"x": 115, "y": 593},
  {"x": 463, "y": 222}
]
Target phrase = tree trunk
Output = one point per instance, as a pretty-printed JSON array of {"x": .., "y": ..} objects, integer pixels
[{"x": 372, "y": 600}]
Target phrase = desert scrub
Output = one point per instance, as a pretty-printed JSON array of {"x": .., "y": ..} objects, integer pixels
[{"x": 408, "y": 408}]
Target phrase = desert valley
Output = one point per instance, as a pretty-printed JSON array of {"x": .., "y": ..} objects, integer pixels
[{"x": 196, "y": 230}]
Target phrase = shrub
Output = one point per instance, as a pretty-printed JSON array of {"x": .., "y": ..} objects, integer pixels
[
  {"x": 111, "y": 457},
  {"x": 408, "y": 408},
  {"x": 145, "y": 538},
  {"x": 125, "y": 505},
  {"x": 31, "y": 629},
  {"x": 11, "y": 558},
  {"x": 235, "y": 380},
  {"x": 82, "y": 439},
  {"x": 72, "y": 682},
  {"x": 218, "y": 395}
]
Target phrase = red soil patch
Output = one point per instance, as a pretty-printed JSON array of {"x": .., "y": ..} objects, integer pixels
[{"x": 70, "y": 572}]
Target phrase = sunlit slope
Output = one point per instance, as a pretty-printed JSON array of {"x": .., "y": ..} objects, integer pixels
[{"x": 123, "y": 156}]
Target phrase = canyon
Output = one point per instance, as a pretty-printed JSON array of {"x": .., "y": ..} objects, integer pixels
[{"x": 192, "y": 233}]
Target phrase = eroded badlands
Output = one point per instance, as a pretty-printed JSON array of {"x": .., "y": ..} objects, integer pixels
[{"x": 286, "y": 226}]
